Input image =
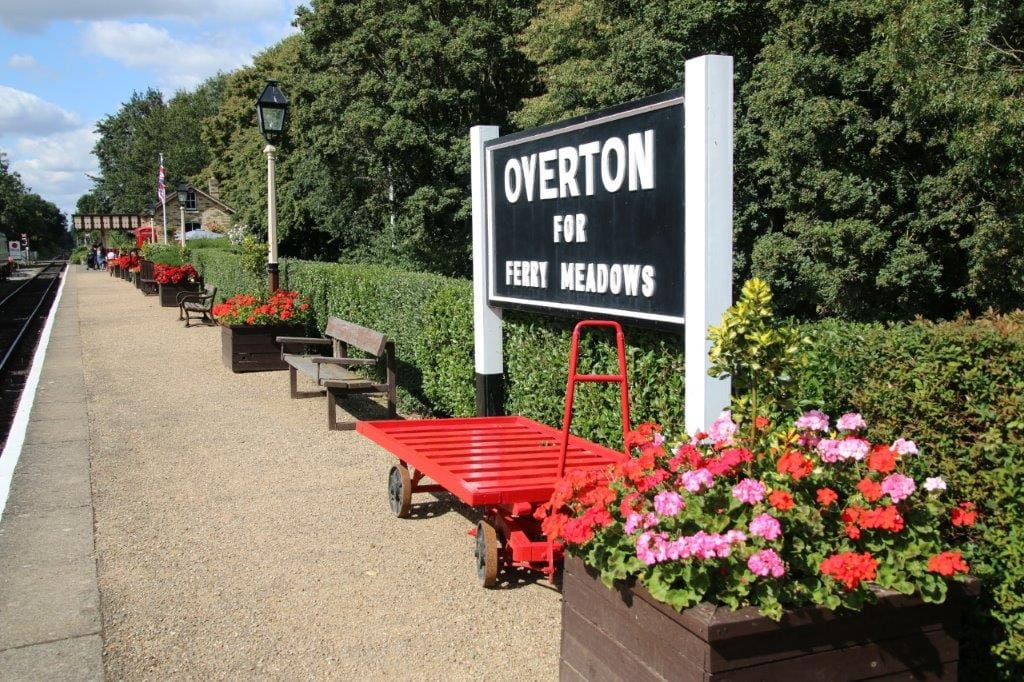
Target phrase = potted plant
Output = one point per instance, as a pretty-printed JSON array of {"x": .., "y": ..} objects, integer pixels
[
  {"x": 127, "y": 264},
  {"x": 250, "y": 325},
  {"x": 173, "y": 280},
  {"x": 766, "y": 547}
]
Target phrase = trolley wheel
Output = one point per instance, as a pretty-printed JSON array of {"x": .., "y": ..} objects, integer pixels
[
  {"x": 486, "y": 553},
  {"x": 399, "y": 490}
]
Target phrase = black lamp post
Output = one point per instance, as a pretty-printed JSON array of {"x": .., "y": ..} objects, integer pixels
[
  {"x": 272, "y": 113},
  {"x": 182, "y": 197}
]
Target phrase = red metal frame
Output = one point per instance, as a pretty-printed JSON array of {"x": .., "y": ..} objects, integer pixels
[{"x": 507, "y": 465}]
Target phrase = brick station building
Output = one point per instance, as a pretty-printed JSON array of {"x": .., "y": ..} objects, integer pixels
[{"x": 204, "y": 210}]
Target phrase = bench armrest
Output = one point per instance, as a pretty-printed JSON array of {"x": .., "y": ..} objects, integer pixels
[
  {"x": 343, "y": 361},
  {"x": 288, "y": 340}
]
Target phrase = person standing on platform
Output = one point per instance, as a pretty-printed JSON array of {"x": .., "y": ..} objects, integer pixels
[
  {"x": 90, "y": 259},
  {"x": 101, "y": 259}
]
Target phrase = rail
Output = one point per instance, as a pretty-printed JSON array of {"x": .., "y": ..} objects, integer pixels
[{"x": 13, "y": 298}]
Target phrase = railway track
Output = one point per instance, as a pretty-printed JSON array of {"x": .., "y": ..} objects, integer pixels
[{"x": 23, "y": 310}]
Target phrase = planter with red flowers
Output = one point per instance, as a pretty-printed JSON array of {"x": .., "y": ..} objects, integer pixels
[
  {"x": 250, "y": 326},
  {"x": 126, "y": 264},
  {"x": 766, "y": 548},
  {"x": 174, "y": 280}
]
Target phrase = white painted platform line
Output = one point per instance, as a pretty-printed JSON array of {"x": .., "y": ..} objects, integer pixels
[{"x": 16, "y": 438}]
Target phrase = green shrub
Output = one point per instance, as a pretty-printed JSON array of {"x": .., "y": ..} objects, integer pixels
[
  {"x": 224, "y": 270},
  {"x": 78, "y": 255},
  {"x": 385, "y": 299},
  {"x": 222, "y": 243},
  {"x": 444, "y": 350},
  {"x": 163, "y": 254}
]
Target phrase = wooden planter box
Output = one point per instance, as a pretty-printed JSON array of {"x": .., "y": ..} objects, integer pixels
[
  {"x": 254, "y": 349},
  {"x": 169, "y": 292},
  {"x": 626, "y": 634}
]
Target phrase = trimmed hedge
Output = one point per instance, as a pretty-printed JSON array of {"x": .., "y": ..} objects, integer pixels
[
  {"x": 956, "y": 388},
  {"x": 224, "y": 270}
]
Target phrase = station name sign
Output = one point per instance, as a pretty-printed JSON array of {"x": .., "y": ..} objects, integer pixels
[{"x": 586, "y": 216}]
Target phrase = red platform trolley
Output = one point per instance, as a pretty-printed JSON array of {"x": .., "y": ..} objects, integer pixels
[{"x": 505, "y": 465}]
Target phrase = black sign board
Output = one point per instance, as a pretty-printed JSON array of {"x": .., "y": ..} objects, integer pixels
[{"x": 586, "y": 216}]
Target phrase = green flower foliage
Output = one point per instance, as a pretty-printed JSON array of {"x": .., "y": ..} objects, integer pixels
[{"x": 163, "y": 254}]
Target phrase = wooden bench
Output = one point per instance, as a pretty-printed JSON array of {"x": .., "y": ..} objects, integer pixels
[
  {"x": 332, "y": 371},
  {"x": 201, "y": 304}
]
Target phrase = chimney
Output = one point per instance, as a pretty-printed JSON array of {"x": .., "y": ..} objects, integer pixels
[{"x": 214, "y": 188}]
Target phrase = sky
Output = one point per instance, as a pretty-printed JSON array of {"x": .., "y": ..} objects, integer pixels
[{"x": 65, "y": 64}]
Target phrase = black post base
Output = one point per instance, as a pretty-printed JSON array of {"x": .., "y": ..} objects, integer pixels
[
  {"x": 490, "y": 395},
  {"x": 272, "y": 276}
]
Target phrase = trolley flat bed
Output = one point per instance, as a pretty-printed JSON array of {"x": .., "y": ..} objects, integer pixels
[
  {"x": 506, "y": 465},
  {"x": 487, "y": 461}
]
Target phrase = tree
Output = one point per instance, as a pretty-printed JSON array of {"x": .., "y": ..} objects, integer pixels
[
  {"x": 390, "y": 90},
  {"x": 24, "y": 212},
  {"x": 132, "y": 140},
  {"x": 878, "y": 146}
]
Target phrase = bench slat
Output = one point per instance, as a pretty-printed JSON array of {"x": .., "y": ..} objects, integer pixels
[{"x": 361, "y": 337}]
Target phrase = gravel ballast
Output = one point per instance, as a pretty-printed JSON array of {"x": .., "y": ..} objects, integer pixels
[{"x": 236, "y": 536}]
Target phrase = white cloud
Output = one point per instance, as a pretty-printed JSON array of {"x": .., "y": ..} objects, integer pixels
[
  {"x": 55, "y": 166},
  {"x": 22, "y": 61},
  {"x": 176, "y": 63},
  {"x": 22, "y": 113},
  {"x": 28, "y": 15}
]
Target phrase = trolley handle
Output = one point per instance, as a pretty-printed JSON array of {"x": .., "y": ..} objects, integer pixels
[{"x": 574, "y": 378}]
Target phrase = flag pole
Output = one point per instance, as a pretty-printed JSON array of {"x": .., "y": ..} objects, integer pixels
[{"x": 163, "y": 197}]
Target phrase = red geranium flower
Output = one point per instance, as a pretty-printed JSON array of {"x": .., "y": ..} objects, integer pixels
[
  {"x": 882, "y": 459},
  {"x": 795, "y": 464},
  {"x": 883, "y": 518},
  {"x": 781, "y": 500},
  {"x": 947, "y": 563},
  {"x": 826, "y": 496},
  {"x": 850, "y": 568},
  {"x": 871, "y": 490},
  {"x": 964, "y": 514}
]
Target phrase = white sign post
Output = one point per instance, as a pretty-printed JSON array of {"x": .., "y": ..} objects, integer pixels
[
  {"x": 706, "y": 220},
  {"x": 708, "y": 196},
  {"x": 488, "y": 355}
]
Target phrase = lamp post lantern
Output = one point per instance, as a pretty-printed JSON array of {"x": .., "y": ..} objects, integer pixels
[
  {"x": 272, "y": 113},
  {"x": 182, "y": 197}
]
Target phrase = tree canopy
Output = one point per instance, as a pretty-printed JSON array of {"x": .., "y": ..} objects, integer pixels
[
  {"x": 878, "y": 145},
  {"x": 25, "y": 212},
  {"x": 132, "y": 139}
]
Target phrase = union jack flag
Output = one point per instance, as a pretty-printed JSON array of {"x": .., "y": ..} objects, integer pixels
[{"x": 161, "y": 191}]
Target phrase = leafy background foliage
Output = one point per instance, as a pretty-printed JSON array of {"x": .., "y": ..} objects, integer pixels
[{"x": 24, "y": 211}]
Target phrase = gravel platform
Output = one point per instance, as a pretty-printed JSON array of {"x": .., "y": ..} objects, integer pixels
[{"x": 237, "y": 537}]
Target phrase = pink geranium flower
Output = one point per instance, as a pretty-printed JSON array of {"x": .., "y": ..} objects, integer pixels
[
  {"x": 815, "y": 420},
  {"x": 766, "y": 562},
  {"x": 828, "y": 448},
  {"x": 851, "y": 421},
  {"x": 722, "y": 429},
  {"x": 668, "y": 503},
  {"x": 749, "y": 491},
  {"x": 694, "y": 480},
  {"x": 766, "y": 526},
  {"x": 853, "y": 448},
  {"x": 904, "y": 446},
  {"x": 898, "y": 487}
]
